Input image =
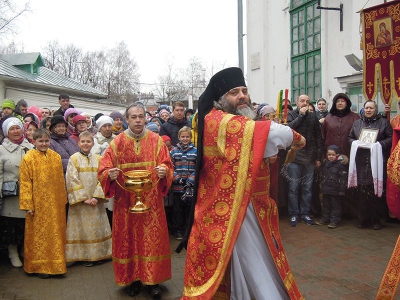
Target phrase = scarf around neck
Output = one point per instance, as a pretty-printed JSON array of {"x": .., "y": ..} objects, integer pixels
[{"x": 376, "y": 165}]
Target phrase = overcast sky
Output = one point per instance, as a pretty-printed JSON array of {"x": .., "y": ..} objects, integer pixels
[{"x": 154, "y": 30}]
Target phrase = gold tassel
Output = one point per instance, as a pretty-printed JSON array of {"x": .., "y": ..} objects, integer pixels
[{"x": 290, "y": 156}]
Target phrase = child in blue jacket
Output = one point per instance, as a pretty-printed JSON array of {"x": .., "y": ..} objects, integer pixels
[{"x": 183, "y": 156}]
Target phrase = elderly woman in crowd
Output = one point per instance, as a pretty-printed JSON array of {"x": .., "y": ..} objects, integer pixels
[
  {"x": 118, "y": 124},
  {"x": 89, "y": 123},
  {"x": 338, "y": 123},
  {"x": 164, "y": 112},
  {"x": 266, "y": 112},
  {"x": 104, "y": 136},
  {"x": 69, "y": 115},
  {"x": 60, "y": 140},
  {"x": 80, "y": 125},
  {"x": 367, "y": 171},
  {"x": 321, "y": 110},
  {"x": 12, "y": 218}
]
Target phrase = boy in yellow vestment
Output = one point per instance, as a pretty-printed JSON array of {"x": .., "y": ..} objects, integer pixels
[
  {"x": 88, "y": 229},
  {"x": 43, "y": 196}
]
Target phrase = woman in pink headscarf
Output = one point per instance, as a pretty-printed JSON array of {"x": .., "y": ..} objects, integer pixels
[{"x": 35, "y": 110}]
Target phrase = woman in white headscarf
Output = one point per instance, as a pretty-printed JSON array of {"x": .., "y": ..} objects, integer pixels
[{"x": 12, "y": 221}]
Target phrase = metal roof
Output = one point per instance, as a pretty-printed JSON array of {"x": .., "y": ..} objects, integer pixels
[
  {"x": 22, "y": 58},
  {"x": 47, "y": 77}
]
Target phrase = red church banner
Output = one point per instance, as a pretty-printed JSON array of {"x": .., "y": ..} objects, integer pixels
[{"x": 381, "y": 47}]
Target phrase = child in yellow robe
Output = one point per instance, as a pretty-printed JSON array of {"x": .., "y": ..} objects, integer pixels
[
  {"x": 43, "y": 196},
  {"x": 88, "y": 229}
]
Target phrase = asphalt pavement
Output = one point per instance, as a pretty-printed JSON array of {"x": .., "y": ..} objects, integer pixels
[{"x": 330, "y": 264}]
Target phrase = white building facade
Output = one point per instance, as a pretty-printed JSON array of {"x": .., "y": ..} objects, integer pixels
[{"x": 293, "y": 44}]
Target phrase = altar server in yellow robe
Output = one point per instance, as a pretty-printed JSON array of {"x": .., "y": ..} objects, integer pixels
[{"x": 43, "y": 196}]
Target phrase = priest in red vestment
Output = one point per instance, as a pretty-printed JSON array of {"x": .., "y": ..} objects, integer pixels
[
  {"x": 140, "y": 241},
  {"x": 393, "y": 176},
  {"x": 391, "y": 278},
  {"x": 234, "y": 249}
]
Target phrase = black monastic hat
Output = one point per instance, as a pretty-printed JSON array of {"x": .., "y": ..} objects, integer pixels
[{"x": 219, "y": 85}]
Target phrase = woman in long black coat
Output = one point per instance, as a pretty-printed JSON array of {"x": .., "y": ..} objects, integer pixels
[{"x": 371, "y": 207}]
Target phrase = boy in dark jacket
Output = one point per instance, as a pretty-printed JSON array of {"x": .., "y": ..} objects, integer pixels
[{"x": 334, "y": 182}]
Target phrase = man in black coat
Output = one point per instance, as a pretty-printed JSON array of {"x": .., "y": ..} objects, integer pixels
[
  {"x": 174, "y": 123},
  {"x": 300, "y": 173},
  {"x": 63, "y": 99}
]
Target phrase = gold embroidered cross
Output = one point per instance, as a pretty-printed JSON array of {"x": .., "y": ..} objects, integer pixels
[
  {"x": 398, "y": 83},
  {"x": 385, "y": 83},
  {"x": 199, "y": 272},
  {"x": 262, "y": 214},
  {"x": 369, "y": 86},
  {"x": 208, "y": 220},
  {"x": 278, "y": 262},
  {"x": 202, "y": 247},
  {"x": 202, "y": 191},
  {"x": 218, "y": 165},
  {"x": 391, "y": 276}
]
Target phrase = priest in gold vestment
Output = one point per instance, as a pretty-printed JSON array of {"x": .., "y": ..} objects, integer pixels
[
  {"x": 234, "y": 248},
  {"x": 43, "y": 195},
  {"x": 140, "y": 241}
]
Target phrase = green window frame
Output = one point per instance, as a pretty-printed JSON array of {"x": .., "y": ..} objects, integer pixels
[{"x": 305, "y": 23}]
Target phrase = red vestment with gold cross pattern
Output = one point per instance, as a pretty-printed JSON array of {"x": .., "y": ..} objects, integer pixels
[
  {"x": 140, "y": 241},
  {"x": 233, "y": 174}
]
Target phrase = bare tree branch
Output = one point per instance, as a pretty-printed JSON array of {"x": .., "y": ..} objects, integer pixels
[
  {"x": 170, "y": 87},
  {"x": 51, "y": 55},
  {"x": 113, "y": 72},
  {"x": 9, "y": 13}
]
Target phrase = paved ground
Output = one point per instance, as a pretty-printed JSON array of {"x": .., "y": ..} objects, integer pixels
[{"x": 343, "y": 263}]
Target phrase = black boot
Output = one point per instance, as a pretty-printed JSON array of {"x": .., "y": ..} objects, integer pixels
[
  {"x": 135, "y": 288},
  {"x": 155, "y": 291},
  {"x": 376, "y": 224},
  {"x": 365, "y": 223}
]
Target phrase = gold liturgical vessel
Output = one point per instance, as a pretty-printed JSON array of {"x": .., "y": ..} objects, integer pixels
[{"x": 138, "y": 181}]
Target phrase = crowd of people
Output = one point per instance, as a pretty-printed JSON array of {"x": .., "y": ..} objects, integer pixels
[
  {"x": 63, "y": 198},
  {"x": 321, "y": 187}
]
